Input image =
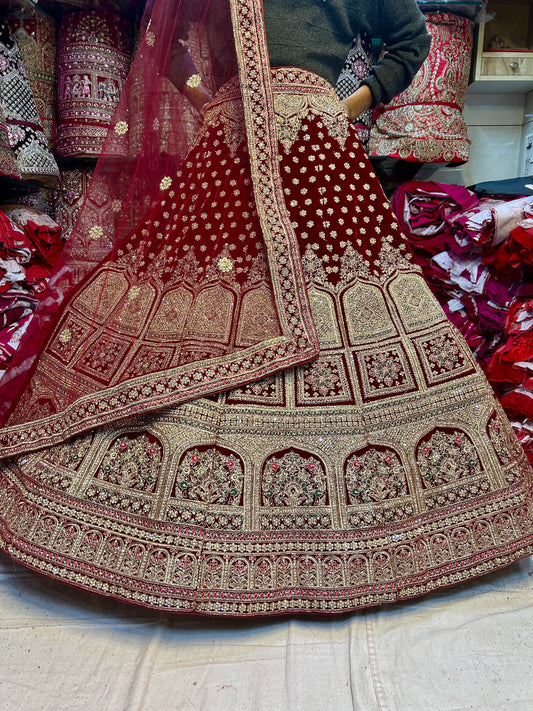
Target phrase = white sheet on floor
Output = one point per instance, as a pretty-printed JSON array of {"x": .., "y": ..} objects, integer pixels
[{"x": 465, "y": 649}]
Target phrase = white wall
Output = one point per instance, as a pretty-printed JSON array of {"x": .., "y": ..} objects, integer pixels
[
  {"x": 496, "y": 127},
  {"x": 527, "y": 168}
]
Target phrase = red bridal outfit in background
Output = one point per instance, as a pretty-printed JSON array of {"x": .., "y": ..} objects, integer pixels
[
  {"x": 424, "y": 124},
  {"x": 246, "y": 400}
]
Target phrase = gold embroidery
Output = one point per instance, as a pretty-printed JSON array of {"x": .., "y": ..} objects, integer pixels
[
  {"x": 65, "y": 336},
  {"x": 338, "y": 540},
  {"x": 292, "y": 110},
  {"x": 225, "y": 264},
  {"x": 121, "y": 128},
  {"x": 96, "y": 232},
  {"x": 194, "y": 81}
]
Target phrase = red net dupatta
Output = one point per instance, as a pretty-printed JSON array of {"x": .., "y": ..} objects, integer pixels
[{"x": 179, "y": 279}]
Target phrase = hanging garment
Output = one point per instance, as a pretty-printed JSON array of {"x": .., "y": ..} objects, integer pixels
[
  {"x": 35, "y": 34},
  {"x": 34, "y": 160},
  {"x": 8, "y": 161},
  {"x": 93, "y": 60},
  {"x": 425, "y": 124},
  {"x": 251, "y": 403},
  {"x": 356, "y": 68},
  {"x": 68, "y": 200}
]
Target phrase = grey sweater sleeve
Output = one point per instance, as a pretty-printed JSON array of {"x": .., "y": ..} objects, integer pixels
[{"x": 407, "y": 42}]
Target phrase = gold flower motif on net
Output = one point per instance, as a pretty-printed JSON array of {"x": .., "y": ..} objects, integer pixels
[
  {"x": 96, "y": 232},
  {"x": 194, "y": 81},
  {"x": 121, "y": 128}
]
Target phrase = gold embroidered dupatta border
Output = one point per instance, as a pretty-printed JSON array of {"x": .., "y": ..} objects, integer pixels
[{"x": 299, "y": 342}]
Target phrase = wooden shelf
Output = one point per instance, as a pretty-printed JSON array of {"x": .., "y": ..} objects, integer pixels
[{"x": 504, "y": 58}]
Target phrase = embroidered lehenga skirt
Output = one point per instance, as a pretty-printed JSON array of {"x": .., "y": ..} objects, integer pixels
[{"x": 381, "y": 470}]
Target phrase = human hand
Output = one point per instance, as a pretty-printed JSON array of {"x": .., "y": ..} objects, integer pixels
[
  {"x": 200, "y": 98},
  {"x": 358, "y": 102}
]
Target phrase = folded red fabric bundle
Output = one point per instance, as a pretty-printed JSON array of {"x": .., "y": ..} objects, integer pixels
[
  {"x": 30, "y": 244},
  {"x": 477, "y": 256}
]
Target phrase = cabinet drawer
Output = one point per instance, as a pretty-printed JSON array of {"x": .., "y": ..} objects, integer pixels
[{"x": 507, "y": 66}]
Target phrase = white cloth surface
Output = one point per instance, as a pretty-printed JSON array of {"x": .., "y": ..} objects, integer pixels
[{"x": 458, "y": 650}]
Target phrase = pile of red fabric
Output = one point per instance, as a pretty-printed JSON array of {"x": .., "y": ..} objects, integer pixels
[
  {"x": 30, "y": 245},
  {"x": 477, "y": 255}
]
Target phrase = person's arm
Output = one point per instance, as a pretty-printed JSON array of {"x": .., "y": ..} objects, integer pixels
[
  {"x": 197, "y": 93},
  {"x": 407, "y": 41},
  {"x": 358, "y": 102},
  {"x": 182, "y": 72}
]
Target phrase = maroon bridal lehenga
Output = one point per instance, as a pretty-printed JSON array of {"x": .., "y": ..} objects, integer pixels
[{"x": 246, "y": 400}]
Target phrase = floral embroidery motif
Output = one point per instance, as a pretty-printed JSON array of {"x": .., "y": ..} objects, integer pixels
[
  {"x": 225, "y": 265},
  {"x": 503, "y": 440},
  {"x": 293, "y": 480},
  {"x": 269, "y": 389},
  {"x": 314, "y": 268},
  {"x": 133, "y": 559},
  {"x": 194, "y": 81},
  {"x": 443, "y": 353},
  {"x": 292, "y": 110},
  {"x": 446, "y": 457},
  {"x": 165, "y": 183},
  {"x": 65, "y": 336},
  {"x": 148, "y": 359},
  {"x": 391, "y": 259},
  {"x": 96, "y": 232},
  {"x": 185, "y": 570},
  {"x": 157, "y": 565},
  {"x": 213, "y": 569},
  {"x": 104, "y": 357},
  {"x": 212, "y": 475},
  {"x": 384, "y": 369},
  {"x": 321, "y": 379},
  {"x": 121, "y": 128},
  {"x": 358, "y": 570},
  {"x": 353, "y": 266},
  {"x": 132, "y": 463},
  {"x": 263, "y": 574},
  {"x": 239, "y": 574},
  {"x": 308, "y": 572},
  {"x": 374, "y": 476}
]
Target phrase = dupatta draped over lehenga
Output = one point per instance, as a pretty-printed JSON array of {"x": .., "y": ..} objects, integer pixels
[{"x": 246, "y": 400}]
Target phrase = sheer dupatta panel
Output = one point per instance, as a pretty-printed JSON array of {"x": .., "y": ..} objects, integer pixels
[{"x": 180, "y": 278}]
